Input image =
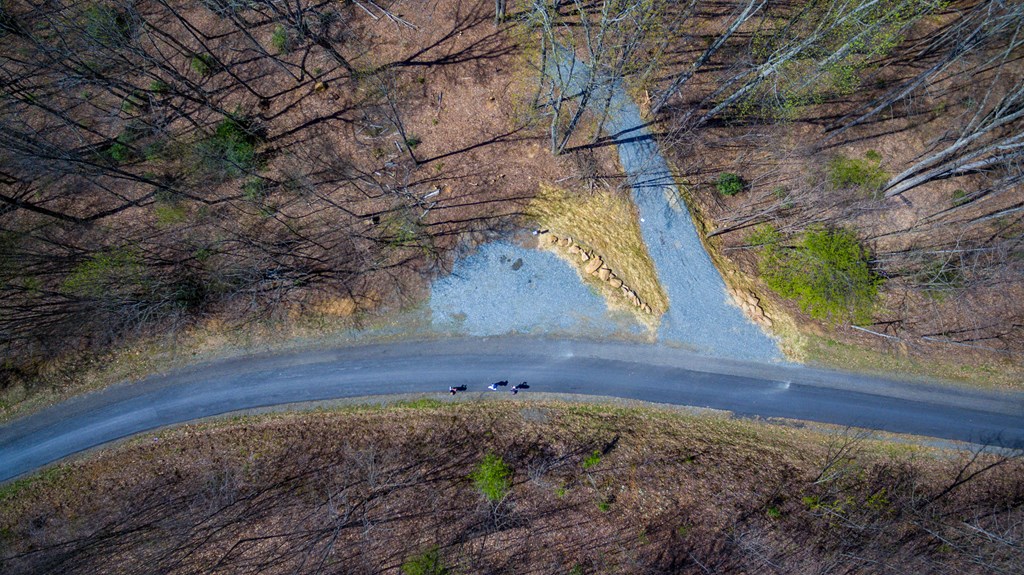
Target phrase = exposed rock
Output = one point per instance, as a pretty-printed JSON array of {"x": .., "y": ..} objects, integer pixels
[
  {"x": 574, "y": 249},
  {"x": 636, "y": 300},
  {"x": 603, "y": 274},
  {"x": 626, "y": 292},
  {"x": 566, "y": 242},
  {"x": 593, "y": 265},
  {"x": 584, "y": 256},
  {"x": 646, "y": 308},
  {"x": 614, "y": 282},
  {"x": 320, "y": 86},
  {"x": 750, "y": 297}
]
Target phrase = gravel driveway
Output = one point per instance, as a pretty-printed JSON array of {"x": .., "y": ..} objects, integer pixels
[{"x": 484, "y": 296}]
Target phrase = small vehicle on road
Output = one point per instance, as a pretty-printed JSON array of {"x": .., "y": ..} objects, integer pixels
[
  {"x": 456, "y": 388},
  {"x": 497, "y": 385}
]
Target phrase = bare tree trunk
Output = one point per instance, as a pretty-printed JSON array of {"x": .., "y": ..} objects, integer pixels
[{"x": 752, "y": 7}]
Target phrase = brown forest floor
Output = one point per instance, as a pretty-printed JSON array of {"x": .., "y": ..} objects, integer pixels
[
  {"x": 459, "y": 87},
  {"x": 594, "y": 489},
  {"x": 970, "y": 328}
]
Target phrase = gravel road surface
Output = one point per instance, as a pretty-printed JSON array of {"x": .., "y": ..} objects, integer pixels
[{"x": 482, "y": 297}]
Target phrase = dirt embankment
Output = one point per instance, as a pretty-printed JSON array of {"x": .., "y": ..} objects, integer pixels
[{"x": 579, "y": 489}]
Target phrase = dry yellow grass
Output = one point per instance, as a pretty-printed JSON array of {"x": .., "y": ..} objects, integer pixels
[{"x": 607, "y": 222}]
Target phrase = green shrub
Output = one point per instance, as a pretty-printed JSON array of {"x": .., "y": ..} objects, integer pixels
[
  {"x": 592, "y": 460},
  {"x": 426, "y": 563},
  {"x": 827, "y": 273},
  {"x": 279, "y": 39},
  {"x": 254, "y": 190},
  {"x": 154, "y": 150},
  {"x": 960, "y": 197},
  {"x": 866, "y": 174},
  {"x": 203, "y": 64},
  {"x": 412, "y": 142},
  {"x": 158, "y": 86},
  {"x": 492, "y": 477},
  {"x": 119, "y": 152},
  {"x": 729, "y": 184},
  {"x": 203, "y": 254},
  {"x": 107, "y": 26},
  {"x": 230, "y": 150}
]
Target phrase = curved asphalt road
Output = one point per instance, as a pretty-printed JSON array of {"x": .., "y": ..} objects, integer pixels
[{"x": 634, "y": 371}]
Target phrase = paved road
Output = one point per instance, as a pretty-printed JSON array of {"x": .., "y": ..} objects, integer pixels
[{"x": 631, "y": 371}]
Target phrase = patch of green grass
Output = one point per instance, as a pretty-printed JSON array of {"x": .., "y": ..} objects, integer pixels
[
  {"x": 826, "y": 272},
  {"x": 426, "y": 563},
  {"x": 604, "y": 506},
  {"x": 280, "y": 39},
  {"x": 159, "y": 86},
  {"x": 729, "y": 184},
  {"x": 773, "y": 512},
  {"x": 866, "y": 174},
  {"x": 203, "y": 64},
  {"x": 169, "y": 213},
  {"x": 413, "y": 141},
  {"x": 492, "y": 477},
  {"x": 104, "y": 271},
  {"x": 47, "y": 478},
  {"x": 592, "y": 460},
  {"x": 422, "y": 403}
]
